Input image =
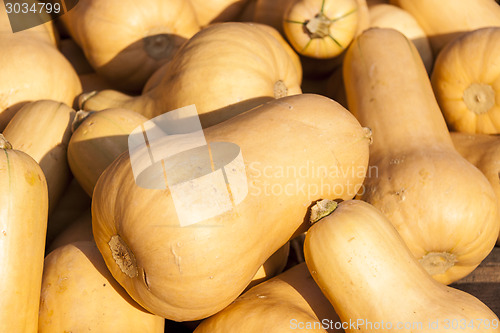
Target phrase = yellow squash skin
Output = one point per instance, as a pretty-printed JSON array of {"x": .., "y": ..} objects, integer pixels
[
  {"x": 290, "y": 302},
  {"x": 444, "y": 208},
  {"x": 364, "y": 268},
  {"x": 321, "y": 28},
  {"x": 33, "y": 70},
  {"x": 125, "y": 41},
  {"x": 445, "y": 20},
  {"x": 42, "y": 130},
  {"x": 97, "y": 141},
  {"x": 466, "y": 81},
  {"x": 384, "y": 15},
  {"x": 192, "y": 272},
  {"x": 23, "y": 224},
  {"x": 79, "y": 294},
  {"x": 483, "y": 151},
  {"x": 224, "y": 69}
]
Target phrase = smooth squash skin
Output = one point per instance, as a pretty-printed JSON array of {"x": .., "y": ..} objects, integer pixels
[
  {"x": 384, "y": 15},
  {"x": 445, "y": 20},
  {"x": 289, "y": 302},
  {"x": 32, "y": 70},
  {"x": 483, "y": 151},
  {"x": 126, "y": 42},
  {"x": 186, "y": 273},
  {"x": 225, "y": 69},
  {"x": 23, "y": 224},
  {"x": 79, "y": 294},
  {"x": 321, "y": 28},
  {"x": 97, "y": 140},
  {"x": 444, "y": 208},
  {"x": 466, "y": 81},
  {"x": 42, "y": 130},
  {"x": 364, "y": 268}
]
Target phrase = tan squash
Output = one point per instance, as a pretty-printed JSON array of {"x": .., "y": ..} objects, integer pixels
[
  {"x": 73, "y": 203},
  {"x": 365, "y": 269},
  {"x": 289, "y": 302},
  {"x": 390, "y": 16},
  {"x": 444, "y": 208},
  {"x": 126, "y": 42},
  {"x": 212, "y": 11},
  {"x": 98, "y": 138},
  {"x": 188, "y": 264},
  {"x": 224, "y": 70},
  {"x": 466, "y": 81},
  {"x": 45, "y": 31},
  {"x": 33, "y": 70},
  {"x": 23, "y": 223},
  {"x": 321, "y": 28},
  {"x": 483, "y": 151},
  {"x": 42, "y": 130},
  {"x": 445, "y": 20},
  {"x": 79, "y": 294}
]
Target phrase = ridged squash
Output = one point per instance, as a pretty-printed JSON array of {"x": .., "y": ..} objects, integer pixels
[
  {"x": 354, "y": 255},
  {"x": 443, "y": 206},
  {"x": 23, "y": 224},
  {"x": 189, "y": 263}
]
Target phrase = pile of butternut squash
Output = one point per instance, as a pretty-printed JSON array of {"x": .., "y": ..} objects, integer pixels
[{"x": 341, "y": 171}]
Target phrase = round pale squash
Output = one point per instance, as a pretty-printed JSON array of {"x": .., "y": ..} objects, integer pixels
[
  {"x": 224, "y": 69},
  {"x": 365, "y": 269},
  {"x": 292, "y": 151},
  {"x": 33, "y": 70},
  {"x": 389, "y": 16},
  {"x": 79, "y": 294},
  {"x": 42, "y": 130},
  {"x": 97, "y": 140},
  {"x": 321, "y": 28},
  {"x": 23, "y": 224},
  {"x": 126, "y": 42},
  {"x": 443, "y": 206},
  {"x": 466, "y": 81},
  {"x": 287, "y": 303},
  {"x": 445, "y": 20},
  {"x": 483, "y": 151}
]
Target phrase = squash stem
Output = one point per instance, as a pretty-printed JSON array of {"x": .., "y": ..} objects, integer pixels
[
  {"x": 79, "y": 119},
  {"x": 4, "y": 144},
  {"x": 318, "y": 26},
  {"x": 321, "y": 209},
  {"x": 479, "y": 98}
]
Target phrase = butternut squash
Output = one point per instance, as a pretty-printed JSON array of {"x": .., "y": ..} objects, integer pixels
[
  {"x": 79, "y": 294},
  {"x": 98, "y": 138},
  {"x": 321, "y": 28},
  {"x": 389, "y": 16},
  {"x": 42, "y": 130},
  {"x": 375, "y": 284},
  {"x": 483, "y": 151},
  {"x": 23, "y": 223},
  {"x": 224, "y": 69},
  {"x": 444, "y": 208},
  {"x": 126, "y": 42},
  {"x": 289, "y": 302},
  {"x": 188, "y": 264},
  {"x": 466, "y": 81},
  {"x": 445, "y": 20},
  {"x": 33, "y": 70}
]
